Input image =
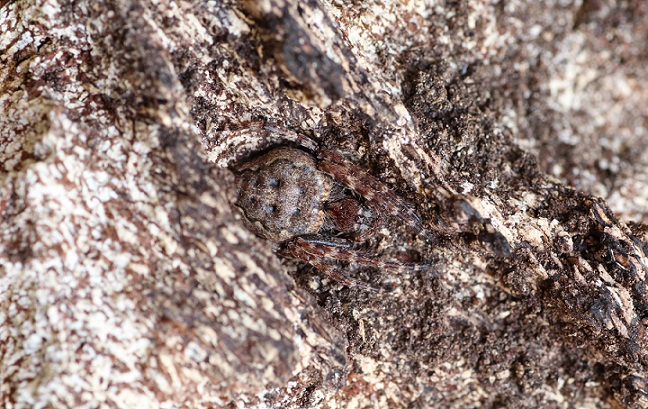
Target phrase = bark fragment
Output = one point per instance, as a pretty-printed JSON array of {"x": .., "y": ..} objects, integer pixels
[{"x": 128, "y": 278}]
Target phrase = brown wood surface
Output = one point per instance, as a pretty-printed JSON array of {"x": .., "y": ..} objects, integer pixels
[{"x": 518, "y": 131}]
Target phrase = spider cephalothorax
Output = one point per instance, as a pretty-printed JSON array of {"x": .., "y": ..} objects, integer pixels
[{"x": 316, "y": 207}]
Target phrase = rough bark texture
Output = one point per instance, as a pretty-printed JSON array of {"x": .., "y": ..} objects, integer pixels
[{"x": 127, "y": 279}]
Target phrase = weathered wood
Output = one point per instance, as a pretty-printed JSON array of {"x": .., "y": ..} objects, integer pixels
[{"x": 128, "y": 279}]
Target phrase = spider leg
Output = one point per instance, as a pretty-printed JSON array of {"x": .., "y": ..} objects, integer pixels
[
  {"x": 295, "y": 250},
  {"x": 370, "y": 232},
  {"x": 320, "y": 249},
  {"x": 374, "y": 191}
]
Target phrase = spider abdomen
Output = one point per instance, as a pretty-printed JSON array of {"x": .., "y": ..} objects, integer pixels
[{"x": 282, "y": 194}]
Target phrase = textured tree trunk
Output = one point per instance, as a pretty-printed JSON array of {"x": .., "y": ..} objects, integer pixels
[{"x": 518, "y": 131}]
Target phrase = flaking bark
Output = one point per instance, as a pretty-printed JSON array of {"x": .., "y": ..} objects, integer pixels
[{"x": 128, "y": 278}]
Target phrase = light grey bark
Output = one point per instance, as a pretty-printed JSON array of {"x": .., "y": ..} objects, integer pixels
[{"x": 127, "y": 279}]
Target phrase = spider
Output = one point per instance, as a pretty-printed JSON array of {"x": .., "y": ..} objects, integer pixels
[{"x": 316, "y": 208}]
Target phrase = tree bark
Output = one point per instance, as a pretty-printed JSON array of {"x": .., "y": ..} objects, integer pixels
[{"x": 517, "y": 131}]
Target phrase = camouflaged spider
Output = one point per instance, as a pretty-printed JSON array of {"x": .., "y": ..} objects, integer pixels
[{"x": 315, "y": 208}]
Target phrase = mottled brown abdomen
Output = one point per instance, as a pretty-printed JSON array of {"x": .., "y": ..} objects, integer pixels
[{"x": 282, "y": 193}]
